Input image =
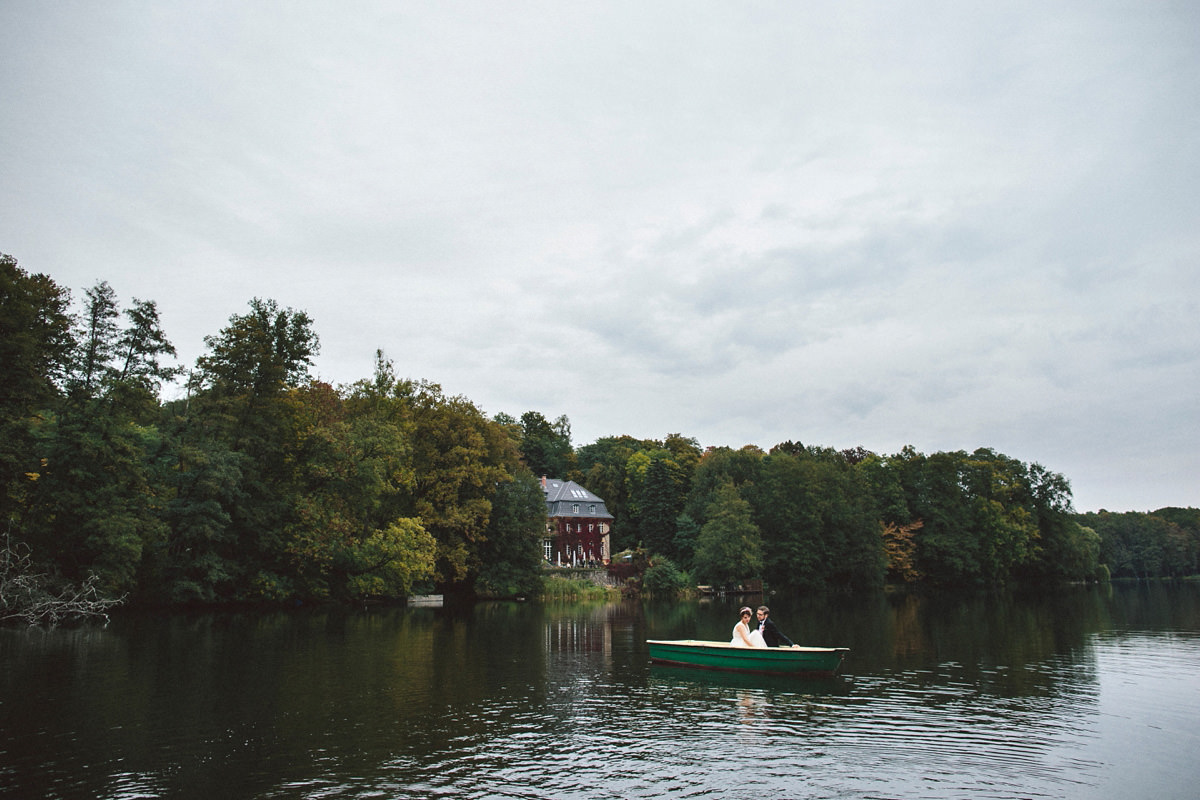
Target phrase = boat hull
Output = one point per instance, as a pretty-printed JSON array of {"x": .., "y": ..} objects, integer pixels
[{"x": 807, "y": 661}]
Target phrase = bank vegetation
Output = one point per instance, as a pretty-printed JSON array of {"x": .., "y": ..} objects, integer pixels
[{"x": 260, "y": 483}]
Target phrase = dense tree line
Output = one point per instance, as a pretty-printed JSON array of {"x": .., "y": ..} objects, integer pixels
[
  {"x": 815, "y": 518},
  {"x": 261, "y": 483},
  {"x": 1161, "y": 544}
]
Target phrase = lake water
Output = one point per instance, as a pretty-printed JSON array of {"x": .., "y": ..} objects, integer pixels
[{"x": 1087, "y": 693}]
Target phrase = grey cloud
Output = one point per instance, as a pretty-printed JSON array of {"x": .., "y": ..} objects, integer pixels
[{"x": 840, "y": 223}]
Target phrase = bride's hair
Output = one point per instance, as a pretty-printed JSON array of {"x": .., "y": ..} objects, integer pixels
[{"x": 745, "y": 610}]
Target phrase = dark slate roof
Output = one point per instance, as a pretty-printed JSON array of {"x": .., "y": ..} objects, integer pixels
[{"x": 561, "y": 497}]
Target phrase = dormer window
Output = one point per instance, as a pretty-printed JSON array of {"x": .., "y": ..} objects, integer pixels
[
  {"x": 575, "y": 508},
  {"x": 592, "y": 508}
]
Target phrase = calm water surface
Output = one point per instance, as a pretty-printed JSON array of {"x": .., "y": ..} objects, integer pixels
[{"x": 1089, "y": 693}]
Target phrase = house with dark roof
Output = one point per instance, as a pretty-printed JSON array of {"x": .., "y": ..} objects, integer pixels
[{"x": 577, "y": 525}]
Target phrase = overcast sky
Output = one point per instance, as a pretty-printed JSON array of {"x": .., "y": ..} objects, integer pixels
[{"x": 949, "y": 225}]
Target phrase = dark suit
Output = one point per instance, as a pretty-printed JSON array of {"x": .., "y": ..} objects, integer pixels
[{"x": 772, "y": 636}]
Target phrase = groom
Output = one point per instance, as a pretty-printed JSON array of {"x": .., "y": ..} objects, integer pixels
[{"x": 770, "y": 631}]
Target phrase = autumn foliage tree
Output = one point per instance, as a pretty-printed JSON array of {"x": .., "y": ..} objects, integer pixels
[{"x": 899, "y": 545}]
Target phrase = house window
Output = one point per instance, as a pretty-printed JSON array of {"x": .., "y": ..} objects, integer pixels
[
  {"x": 547, "y": 549},
  {"x": 575, "y": 508},
  {"x": 591, "y": 527},
  {"x": 592, "y": 508}
]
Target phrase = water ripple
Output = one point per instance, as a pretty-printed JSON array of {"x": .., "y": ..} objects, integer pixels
[{"x": 1101, "y": 715}]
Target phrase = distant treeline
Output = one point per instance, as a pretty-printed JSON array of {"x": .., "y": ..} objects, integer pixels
[
  {"x": 818, "y": 518},
  {"x": 261, "y": 483}
]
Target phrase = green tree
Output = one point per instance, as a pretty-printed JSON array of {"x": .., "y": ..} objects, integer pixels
[
  {"x": 788, "y": 512},
  {"x": 200, "y": 562},
  {"x": 988, "y": 518},
  {"x": 35, "y": 353},
  {"x": 729, "y": 548},
  {"x": 1063, "y": 549},
  {"x": 882, "y": 478},
  {"x": 998, "y": 490},
  {"x": 244, "y": 398},
  {"x": 1185, "y": 544},
  {"x": 687, "y": 533},
  {"x": 603, "y": 464},
  {"x": 259, "y": 354},
  {"x": 717, "y": 466},
  {"x": 387, "y": 563},
  {"x": 459, "y": 458},
  {"x": 685, "y": 452},
  {"x": 35, "y": 339},
  {"x": 139, "y": 370},
  {"x": 661, "y": 497},
  {"x": 345, "y": 525},
  {"x": 644, "y": 483},
  {"x": 98, "y": 342},
  {"x": 819, "y": 523},
  {"x": 546, "y": 446},
  {"x": 98, "y": 507},
  {"x": 1144, "y": 545},
  {"x": 948, "y": 549},
  {"x": 510, "y": 556}
]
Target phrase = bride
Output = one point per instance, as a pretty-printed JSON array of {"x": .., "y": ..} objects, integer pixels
[{"x": 742, "y": 635}]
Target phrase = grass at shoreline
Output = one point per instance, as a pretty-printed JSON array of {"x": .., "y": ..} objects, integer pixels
[{"x": 559, "y": 588}]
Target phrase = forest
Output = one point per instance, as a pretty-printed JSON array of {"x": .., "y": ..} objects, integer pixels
[{"x": 262, "y": 484}]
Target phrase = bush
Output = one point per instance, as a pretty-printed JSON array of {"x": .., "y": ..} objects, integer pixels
[{"x": 663, "y": 578}]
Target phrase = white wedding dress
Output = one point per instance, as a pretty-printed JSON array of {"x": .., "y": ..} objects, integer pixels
[{"x": 755, "y": 636}]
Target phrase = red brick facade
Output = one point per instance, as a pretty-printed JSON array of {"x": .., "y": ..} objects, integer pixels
[{"x": 577, "y": 525}]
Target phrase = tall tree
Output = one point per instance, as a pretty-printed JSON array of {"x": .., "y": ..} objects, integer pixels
[
  {"x": 97, "y": 342},
  {"x": 510, "y": 557},
  {"x": 139, "y": 368},
  {"x": 261, "y": 353},
  {"x": 1064, "y": 549},
  {"x": 604, "y": 466},
  {"x": 459, "y": 458},
  {"x": 35, "y": 348},
  {"x": 546, "y": 446},
  {"x": 98, "y": 506},
  {"x": 948, "y": 549},
  {"x": 819, "y": 522},
  {"x": 35, "y": 338},
  {"x": 729, "y": 548},
  {"x": 720, "y": 464},
  {"x": 244, "y": 398},
  {"x": 661, "y": 497},
  {"x": 205, "y": 480}
]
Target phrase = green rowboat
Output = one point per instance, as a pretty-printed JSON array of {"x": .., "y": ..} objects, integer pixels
[{"x": 807, "y": 661}]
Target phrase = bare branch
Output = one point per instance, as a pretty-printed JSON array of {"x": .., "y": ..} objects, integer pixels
[{"x": 26, "y": 595}]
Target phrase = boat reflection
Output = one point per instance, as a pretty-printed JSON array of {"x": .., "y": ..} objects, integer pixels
[{"x": 664, "y": 675}]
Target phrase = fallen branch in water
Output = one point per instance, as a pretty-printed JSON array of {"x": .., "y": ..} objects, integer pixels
[{"x": 26, "y": 595}]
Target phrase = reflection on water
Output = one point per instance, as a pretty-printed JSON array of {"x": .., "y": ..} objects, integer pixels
[{"x": 1087, "y": 693}]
